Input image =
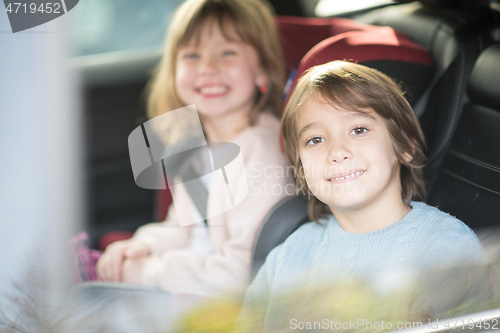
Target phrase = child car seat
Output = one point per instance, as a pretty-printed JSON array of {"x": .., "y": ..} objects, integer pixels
[
  {"x": 384, "y": 49},
  {"x": 300, "y": 34}
]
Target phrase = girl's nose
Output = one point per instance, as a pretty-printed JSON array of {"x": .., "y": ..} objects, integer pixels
[
  {"x": 339, "y": 153},
  {"x": 208, "y": 65}
]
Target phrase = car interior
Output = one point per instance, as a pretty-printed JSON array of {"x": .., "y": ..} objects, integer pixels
[
  {"x": 453, "y": 183},
  {"x": 445, "y": 53}
]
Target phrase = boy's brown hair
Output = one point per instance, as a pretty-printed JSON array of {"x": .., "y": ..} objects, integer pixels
[
  {"x": 254, "y": 24},
  {"x": 351, "y": 86}
]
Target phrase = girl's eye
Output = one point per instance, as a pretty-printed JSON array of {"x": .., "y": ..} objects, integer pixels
[
  {"x": 314, "y": 141},
  {"x": 359, "y": 131},
  {"x": 191, "y": 55},
  {"x": 228, "y": 53}
]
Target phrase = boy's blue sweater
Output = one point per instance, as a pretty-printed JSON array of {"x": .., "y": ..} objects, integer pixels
[{"x": 317, "y": 260}]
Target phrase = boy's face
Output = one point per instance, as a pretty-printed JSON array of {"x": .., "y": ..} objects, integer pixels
[{"x": 347, "y": 156}]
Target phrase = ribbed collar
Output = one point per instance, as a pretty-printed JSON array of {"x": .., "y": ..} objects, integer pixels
[{"x": 340, "y": 236}]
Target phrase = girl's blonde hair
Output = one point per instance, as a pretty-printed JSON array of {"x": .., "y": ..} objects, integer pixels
[
  {"x": 351, "y": 86},
  {"x": 254, "y": 24}
]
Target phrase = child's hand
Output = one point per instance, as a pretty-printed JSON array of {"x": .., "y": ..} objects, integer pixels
[
  {"x": 109, "y": 266},
  {"x": 132, "y": 268},
  {"x": 136, "y": 250}
]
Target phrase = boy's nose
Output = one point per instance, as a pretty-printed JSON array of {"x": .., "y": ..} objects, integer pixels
[{"x": 339, "y": 153}]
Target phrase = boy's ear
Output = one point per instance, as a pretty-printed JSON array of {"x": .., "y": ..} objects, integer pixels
[{"x": 408, "y": 156}]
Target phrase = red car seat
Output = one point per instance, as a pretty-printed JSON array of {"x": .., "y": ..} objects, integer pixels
[
  {"x": 300, "y": 34},
  {"x": 382, "y": 48}
]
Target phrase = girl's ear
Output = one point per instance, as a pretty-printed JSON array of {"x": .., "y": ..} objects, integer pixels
[{"x": 261, "y": 79}]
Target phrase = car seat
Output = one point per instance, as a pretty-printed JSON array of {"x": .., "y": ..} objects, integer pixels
[
  {"x": 384, "y": 49},
  {"x": 300, "y": 34},
  {"x": 454, "y": 35},
  {"x": 468, "y": 183},
  {"x": 377, "y": 48}
]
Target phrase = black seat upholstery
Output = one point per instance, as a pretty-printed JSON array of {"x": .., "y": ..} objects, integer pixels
[
  {"x": 285, "y": 217},
  {"x": 450, "y": 39},
  {"x": 468, "y": 185}
]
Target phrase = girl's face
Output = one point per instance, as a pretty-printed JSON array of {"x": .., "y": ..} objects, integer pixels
[
  {"x": 347, "y": 156},
  {"x": 219, "y": 76}
]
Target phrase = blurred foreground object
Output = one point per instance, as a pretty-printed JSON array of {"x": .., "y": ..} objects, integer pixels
[{"x": 41, "y": 172}]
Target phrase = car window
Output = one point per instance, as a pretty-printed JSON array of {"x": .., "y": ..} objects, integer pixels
[
  {"x": 99, "y": 26},
  {"x": 335, "y": 7}
]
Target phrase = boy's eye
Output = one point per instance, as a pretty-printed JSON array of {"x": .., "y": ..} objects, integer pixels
[
  {"x": 359, "y": 131},
  {"x": 314, "y": 141}
]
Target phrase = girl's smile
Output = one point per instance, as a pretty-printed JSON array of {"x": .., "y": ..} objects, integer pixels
[
  {"x": 220, "y": 76},
  {"x": 213, "y": 90}
]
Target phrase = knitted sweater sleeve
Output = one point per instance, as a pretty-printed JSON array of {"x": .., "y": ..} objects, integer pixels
[{"x": 453, "y": 282}]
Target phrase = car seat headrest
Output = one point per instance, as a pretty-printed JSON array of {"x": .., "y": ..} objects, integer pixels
[
  {"x": 485, "y": 78},
  {"x": 363, "y": 46},
  {"x": 383, "y": 45},
  {"x": 300, "y": 34}
]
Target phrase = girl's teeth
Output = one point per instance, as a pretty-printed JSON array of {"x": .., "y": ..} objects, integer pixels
[{"x": 213, "y": 90}]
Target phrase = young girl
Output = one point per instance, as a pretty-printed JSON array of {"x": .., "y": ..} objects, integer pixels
[
  {"x": 357, "y": 148},
  {"x": 224, "y": 57}
]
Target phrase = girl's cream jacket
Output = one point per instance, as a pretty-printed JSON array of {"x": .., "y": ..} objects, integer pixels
[{"x": 226, "y": 270}]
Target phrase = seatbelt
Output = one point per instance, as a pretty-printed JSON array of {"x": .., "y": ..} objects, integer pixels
[
  {"x": 190, "y": 176},
  {"x": 422, "y": 102},
  {"x": 195, "y": 188}
]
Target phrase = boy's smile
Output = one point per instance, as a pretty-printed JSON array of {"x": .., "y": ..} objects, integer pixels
[
  {"x": 348, "y": 158},
  {"x": 346, "y": 176}
]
